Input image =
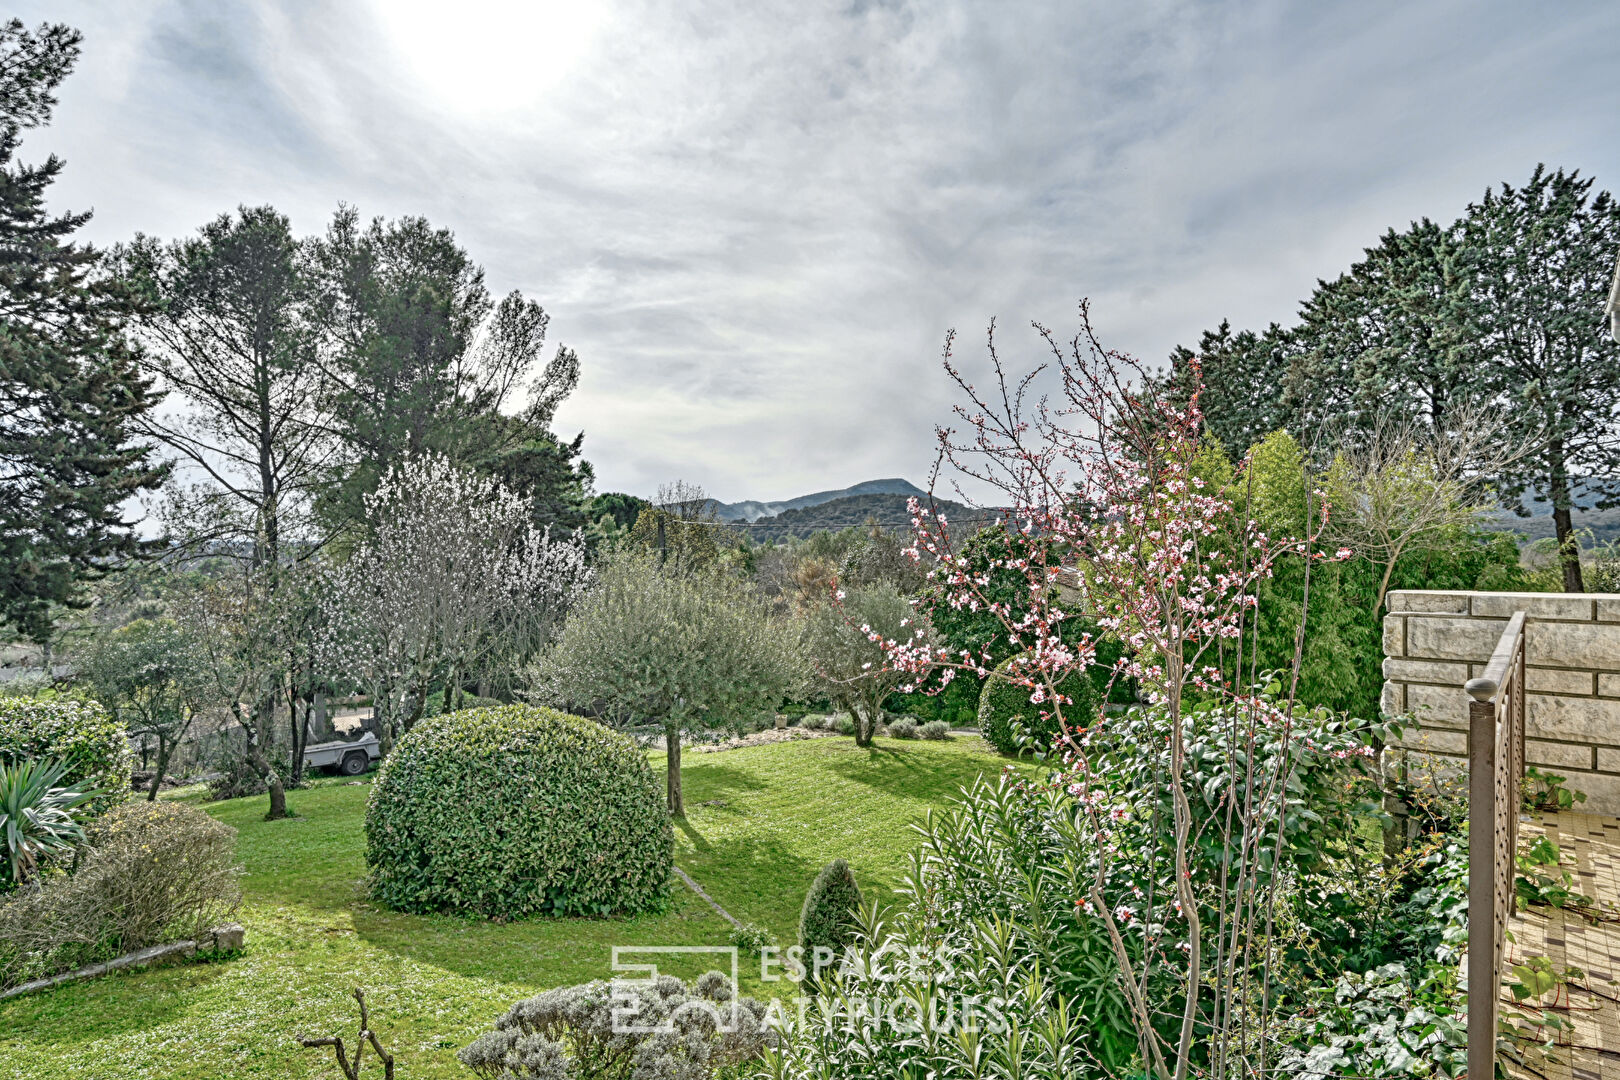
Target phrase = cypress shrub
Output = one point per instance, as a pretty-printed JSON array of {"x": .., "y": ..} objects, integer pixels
[
  {"x": 517, "y": 810},
  {"x": 1006, "y": 713},
  {"x": 81, "y": 733},
  {"x": 828, "y": 917}
]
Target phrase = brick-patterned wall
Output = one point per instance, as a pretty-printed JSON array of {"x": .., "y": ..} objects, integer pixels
[{"x": 1436, "y": 641}]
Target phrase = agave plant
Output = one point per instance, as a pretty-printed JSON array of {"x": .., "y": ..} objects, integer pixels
[{"x": 37, "y": 814}]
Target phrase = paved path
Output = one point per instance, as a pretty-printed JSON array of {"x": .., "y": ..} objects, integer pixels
[{"x": 1590, "y": 1048}]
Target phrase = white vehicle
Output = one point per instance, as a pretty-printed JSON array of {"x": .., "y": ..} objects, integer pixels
[{"x": 349, "y": 758}]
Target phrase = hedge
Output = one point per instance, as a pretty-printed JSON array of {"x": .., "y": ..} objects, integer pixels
[
  {"x": 1006, "y": 714},
  {"x": 517, "y": 810},
  {"x": 81, "y": 733}
]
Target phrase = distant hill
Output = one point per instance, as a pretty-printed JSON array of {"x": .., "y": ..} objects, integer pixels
[
  {"x": 1604, "y": 524},
  {"x": 753, "y": 510},
  {"x": 888, "y": 510}
]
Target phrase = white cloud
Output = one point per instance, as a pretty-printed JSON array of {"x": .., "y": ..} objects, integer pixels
[{"x": 755, "y": 221}]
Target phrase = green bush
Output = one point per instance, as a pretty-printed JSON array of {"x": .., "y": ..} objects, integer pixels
[
  {"x": 1010, "y": 722},
  {"x": 936, "y": 730},
  {"x": 831, "y": 910},
  {"x": 517, "y": 810},
  {"x": 81, "y": 734},
  {"x": 751, "y": 938},
  {"x": 434, "y": 705},
  {"x": 151, "y": 873},
  {"x": 903, "y": 728}
]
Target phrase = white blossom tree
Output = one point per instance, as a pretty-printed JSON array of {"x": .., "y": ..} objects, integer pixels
[{"x": 451, "y": 579}]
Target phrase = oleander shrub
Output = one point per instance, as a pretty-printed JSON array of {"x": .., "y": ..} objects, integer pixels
[
  {"x": 937, "y": 730},
  {"x": 666, "y": 1030},
  {"x": 1012, "y": 723},
  {"x": 831, "y": 911},
  {"x": 903, "y": 728},
  {"x": 81, "y": 734},
  {"x": 150, "y": 873},
  {"x": 517, "y": 810}
]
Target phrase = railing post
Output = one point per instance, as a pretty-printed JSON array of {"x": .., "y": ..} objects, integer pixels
[{"x": 1482, "y": 974}]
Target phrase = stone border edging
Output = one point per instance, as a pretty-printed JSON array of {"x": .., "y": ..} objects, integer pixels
[
  {"x": 229, "y": 936},
  {"x": 724, "y": 914}
]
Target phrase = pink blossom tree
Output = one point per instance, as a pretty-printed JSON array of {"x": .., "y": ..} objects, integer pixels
[{"x": 1155, "y": 553}]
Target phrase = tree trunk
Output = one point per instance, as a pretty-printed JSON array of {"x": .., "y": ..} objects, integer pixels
[
  {"x": 262, "y": 766},
  {"x": 165, "y": 748},
  {"x": 1569, "y": 550},
  {"x": 278, "y": 795},
  {"x": 672, "y": 748},
  {"x": 299, "y": 727},
  {"x": 320, "y": 724}
]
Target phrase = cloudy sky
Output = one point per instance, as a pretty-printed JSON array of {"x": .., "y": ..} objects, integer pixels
[{"x": 755, "y": 220}]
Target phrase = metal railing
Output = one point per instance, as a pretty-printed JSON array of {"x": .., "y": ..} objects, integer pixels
[{"x": 1495, "y": 768}]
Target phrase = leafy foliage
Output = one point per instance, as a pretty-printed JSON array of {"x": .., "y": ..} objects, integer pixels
[
  {"x": 687, "y": 650},
  {"x": 831, "y": 910},
  {"x": 1012, "y": 722},
  {"x": 82, "y": 735},
  {"x": 1387, "y": 1022},
  {"x": 991, "y": 926},
  {"x": 843, "y": 643},
  {"x": 1341, "y": 664},
  {"x": 418, "y": 358},
  {"x": 144, "y": 672},
  {"x": 454, "y": 580},
  {"x": 517, "y": 811},
  {"x": 37, "y": 816},
  {"x": 1500, "y": 310}
]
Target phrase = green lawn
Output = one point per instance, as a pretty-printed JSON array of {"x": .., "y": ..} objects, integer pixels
[{"x": 760, "y": 822}]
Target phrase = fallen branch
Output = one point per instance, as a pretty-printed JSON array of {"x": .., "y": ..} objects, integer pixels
[{"x": 351, "y": 1067}]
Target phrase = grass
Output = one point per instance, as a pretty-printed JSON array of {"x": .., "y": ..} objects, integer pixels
[{"x": 760, "y": 823}]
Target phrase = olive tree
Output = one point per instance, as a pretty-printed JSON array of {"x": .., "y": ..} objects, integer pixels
[
  {"x": 844, "y": 640},
  {"x": 686, "y": 650},
  {"x": 146, "y": 674}
]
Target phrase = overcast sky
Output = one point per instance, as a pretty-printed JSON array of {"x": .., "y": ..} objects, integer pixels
[{"x": 755, "y": 221}]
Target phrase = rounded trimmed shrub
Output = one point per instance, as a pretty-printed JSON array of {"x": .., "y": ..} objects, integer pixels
[
  {"x": 517, "y": 810},
  {"x": 937, "y": 730},
  {"x": 903, "y": 728},
  {"x": 1006, "y": 714},
  {"x": 828, "y": 919},
  {"x": 81, "y": 733}
]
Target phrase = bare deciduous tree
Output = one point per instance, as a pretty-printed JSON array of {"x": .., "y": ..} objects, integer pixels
[{"x": 1401, "y": 485}]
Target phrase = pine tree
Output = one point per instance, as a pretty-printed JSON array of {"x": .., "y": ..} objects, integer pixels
[
  {"x": 1542, "y": 256},
  {"x": 70, "y": 387},
  {"x": 1500, "y": 312}
]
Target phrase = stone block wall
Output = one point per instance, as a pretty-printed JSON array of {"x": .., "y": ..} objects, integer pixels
[{"x": 1436, "y": 641}]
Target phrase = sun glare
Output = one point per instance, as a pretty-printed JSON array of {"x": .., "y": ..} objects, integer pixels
[{"x": 489, "y": 55}]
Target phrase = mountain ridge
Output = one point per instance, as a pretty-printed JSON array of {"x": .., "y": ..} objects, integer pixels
[{"x": 754, "y": 509}]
